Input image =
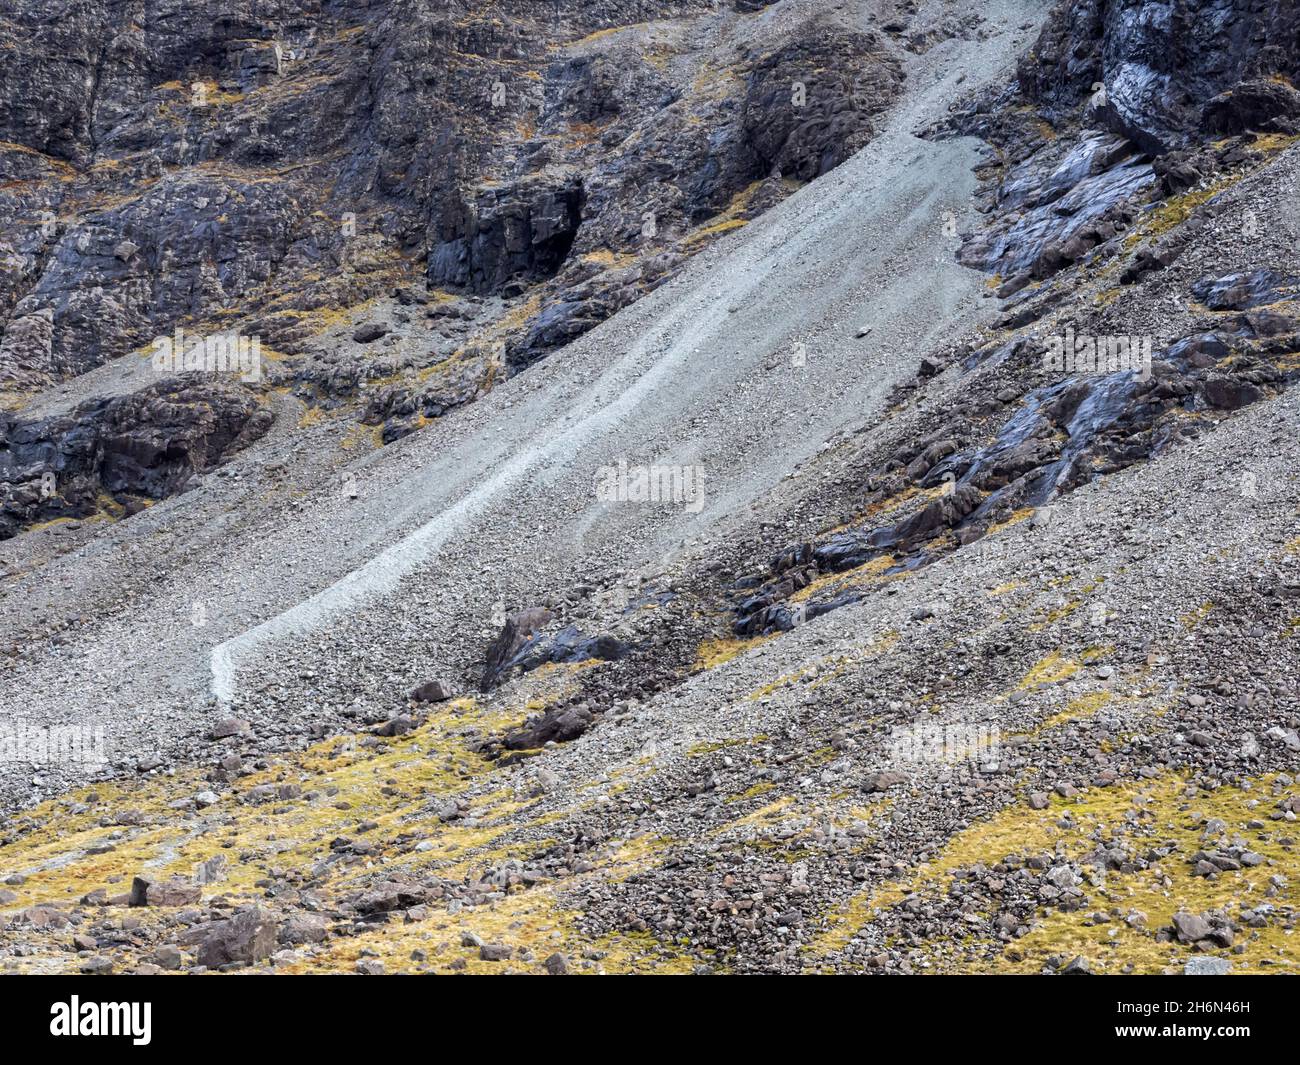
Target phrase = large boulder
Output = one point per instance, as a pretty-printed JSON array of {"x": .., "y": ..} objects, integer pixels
[
  {"x": 245, "y": 938},
  {"x": 1261, "y": 106},
  {"x": 171, "y": 892}
]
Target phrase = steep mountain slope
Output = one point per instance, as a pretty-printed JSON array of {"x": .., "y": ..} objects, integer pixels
[{"x": 952, "y": 644}]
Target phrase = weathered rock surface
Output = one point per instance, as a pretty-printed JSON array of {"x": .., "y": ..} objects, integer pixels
[{"x": 117, "y": 455}]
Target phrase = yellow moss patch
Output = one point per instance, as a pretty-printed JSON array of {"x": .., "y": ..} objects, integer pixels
[
  {"x": 761, "y": 788},
  {"x": 600, "y": 35},
  {"x": 1015, "y": 519},
  {"x": 311, "y": 416},
  {"x": 714, "y": 653},
  {"x": 380, "y": 790},
  {"x": 1054, "y": 667},
  {"x": 1175, "y": 211},
  {"x": 698, "y": 750},
  {"x": 848, "y": 578},
  {"x": 1160, "y": 811},
  {"x": 717, "y": 229},
  {"x": 1083, "y": 706},
  {"x": 55, "y": 523},
  {"x": 387, "y": 783},
  {"x": 1168, "y": 887},
  {"x": 1016, "y": 830},
  {"x": 1008, "y": 586},
  {"x": 768, "y": 815}
]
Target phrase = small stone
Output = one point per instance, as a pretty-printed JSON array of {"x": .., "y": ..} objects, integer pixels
[
  {"x": 495, "y": 952},
  {"x": 557, "y": 965}
]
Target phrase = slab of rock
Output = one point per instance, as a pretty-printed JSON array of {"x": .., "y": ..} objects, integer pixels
[
  {"x": 1207, "y": 967},
  {"x": 1189, "y": 928},
  {"x": 882, "y": 780},
  {"x": 304, "y": 928},
  {"x": 245, "y": 938},
  {"x": 433, "y": 691},
  {"x": 227, "y": 727},
  {"x": 172, "y": 892}
]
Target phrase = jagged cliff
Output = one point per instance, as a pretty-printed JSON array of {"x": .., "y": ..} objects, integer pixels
[{"x": 502, "y": 177}]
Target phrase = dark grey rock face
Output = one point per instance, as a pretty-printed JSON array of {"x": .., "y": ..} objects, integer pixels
[
  {"x": 521, "y": 234},
  {"x": 281, "y": 161},
  {"x": 1163, "y": 64},
  {"x": 118, "y": 454}
]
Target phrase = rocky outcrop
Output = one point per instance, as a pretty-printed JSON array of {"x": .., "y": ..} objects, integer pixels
[
  {"x": 518, "y": 634},
  {"x": 1158, "y": 73},
  {"x": 515, "y": 236},
  {"x": 801, "y": 125},
  {"x": 275, "y": 165},
  {"x": 121, "y": 453}
]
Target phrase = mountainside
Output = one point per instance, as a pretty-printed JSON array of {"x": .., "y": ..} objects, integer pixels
[{"x": 734, "y": 487}]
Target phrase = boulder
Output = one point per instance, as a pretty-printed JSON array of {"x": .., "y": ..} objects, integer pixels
[
  {"x": 171, "y": 892},
  {"x": 245, "y": 938},
  {"x": 433, "y": 691}
]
